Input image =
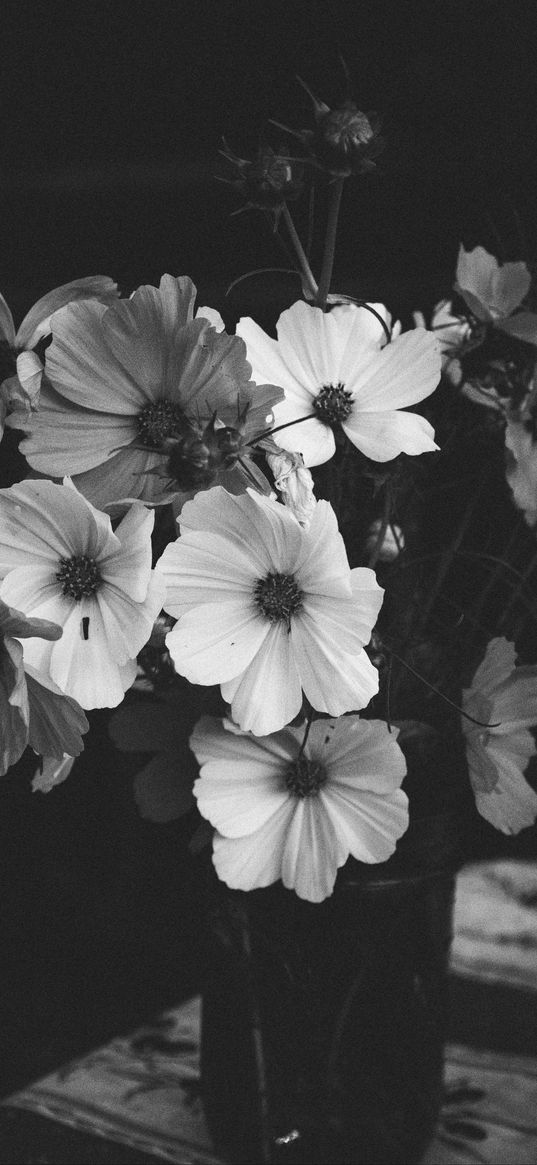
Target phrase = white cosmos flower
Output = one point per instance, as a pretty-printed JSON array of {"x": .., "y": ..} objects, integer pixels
[
  {"x": 299, "y": 817},
  {"x": 493, "y": 292},
  {"x": 268, "y": 609},
  {"x": 336, "y": 368},
  {"x": 130, "y": 387},
  {"x": 504, "y": 695},
  {"x": 61, "y": 561}
]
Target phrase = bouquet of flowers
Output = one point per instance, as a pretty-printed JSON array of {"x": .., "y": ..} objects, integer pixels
[{"x": 298, "y": 558}]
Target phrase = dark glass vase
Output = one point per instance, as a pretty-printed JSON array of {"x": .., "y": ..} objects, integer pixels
[{"x": 323, "y": 1025}]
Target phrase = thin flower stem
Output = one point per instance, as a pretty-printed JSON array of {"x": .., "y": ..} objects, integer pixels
[
  {"x": 449, "y": 554},
  {"x": 287, "y": 425},
  {"x": 384, "y": 522},
  {"x": 300, "y": 252},
  {"x": 330, "y": 243},
  {"x": 257, "y": 1040},
  {"x": 309, "y": 722},
  {"x": 502, "y": 564},
  {"x": 437, "y": 691},
  {"x": 517, "y": 593}
]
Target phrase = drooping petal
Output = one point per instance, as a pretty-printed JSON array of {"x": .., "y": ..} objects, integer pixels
[
  {"x": 36, "y": 323},
  {"x": 82, "y": 364},
  {"x": 51, "y": 772},
  {"x": 57, "y": 722},
  {"x": 7, "y": 326},
  {"x": 382, "y": 436},
  {"x": 15, "y": 623},
  {"x": 14, "y": 710},
  {"x": 512, "y": 804}
]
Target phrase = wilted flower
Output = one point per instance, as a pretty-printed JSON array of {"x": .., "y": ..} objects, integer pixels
[
  {"x": 60, "y": 560},
  {"x": 297, "y": 814},
  {"x": 505, "y": 697},
  {"x": 268, "y": 609},
  {"x": 337, "y": 370},
  {"x": 134, "y": 390},
  {"x": 20, "y": 368},
  {"x": 293, "y": 482},
  {"x": 494, "y": 291},
  {"x": 32, "y": 709}
]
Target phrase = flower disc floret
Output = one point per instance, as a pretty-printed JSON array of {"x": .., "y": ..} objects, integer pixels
[
  {"x": 305, "y": 777},
  {"x": 159, "y": 421},
  {"x": 79, "y": 576},
  {"x": 333, "y": 404},
  {"x": 278, "y": 596}
]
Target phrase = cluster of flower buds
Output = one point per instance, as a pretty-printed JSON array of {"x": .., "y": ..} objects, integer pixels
[{"x": 345, "y": 140}]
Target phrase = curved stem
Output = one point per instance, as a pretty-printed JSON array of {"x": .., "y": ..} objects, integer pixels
[
  {"x": 300, "y": 252},
  {"x": 330, "y": 243}
]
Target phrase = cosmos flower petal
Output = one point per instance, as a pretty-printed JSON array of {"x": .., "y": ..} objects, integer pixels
[
  {"x": 128, "y": 565},
  {"x": 360, "y": 754},
  {"x": 323, "y": 553},
  {"x": 238, "y": 807},
  {"x": 127, "y": 622},
  {"x": 267, "y": 695},
  {"x": 491, "y": 290},
  {"x": 56, "y": 721},
  {"x": 402, "y": 373},
  {"x": 7, "y": 326},
  {"x": 65, "y": 439},
  {"x": 41, "y": 520},
  {"x": 512, "y": 804},
  {"x": 84, "y": 666},
  {"x": 333, "y": 681},
  {"x": 36, "y": 324},
  {"x": 216, "y": 642},
  {"x": 247, "y": 863},
  {"x": 312, "y": 341},
  {"x": 14, "y": 706},
  {"x": 51, "y": 772},
  {"x": 312, "y": 439},
  {"x": 82, "y": 364},
  {"x": 313, "y": 852},
  {"x": 268, "y": 362},
  {"x": 497, "y": 665},
  {"x": 264, "y": 529},
  {"x": 224, "y": 571},
  {"x": 382, "y": 436},
  {"x": 37, "y": 591},
  {"x": 213, "y": 316},
  {"x": 210, "y": 741},
  {"x": 369, "y": 825},
  {"x": 522, "y": 326},
  {"x": 125, "y": 477}
]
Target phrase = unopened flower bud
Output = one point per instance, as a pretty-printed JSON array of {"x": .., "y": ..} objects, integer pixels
[
  {"x": 345, "y": 139},
  {"x": 268, "y": 181}
]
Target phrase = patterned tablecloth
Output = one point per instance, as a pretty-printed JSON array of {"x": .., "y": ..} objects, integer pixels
[{"x": 143, "y": 1090}]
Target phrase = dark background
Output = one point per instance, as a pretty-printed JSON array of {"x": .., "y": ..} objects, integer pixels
[{"x": 111, "y": 117}]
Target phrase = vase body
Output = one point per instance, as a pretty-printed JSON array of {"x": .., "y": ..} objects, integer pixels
[{"x": 324, "y": 1025}]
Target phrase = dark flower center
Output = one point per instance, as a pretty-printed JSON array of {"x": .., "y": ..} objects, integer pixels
[
  {"x": 159, "y": 421},
  {"x": 333, "y": 404},
  {"x": 278, "y": 596},
  {"x": 305, "y": 777},
  {"x": 79, "y": 576}
]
